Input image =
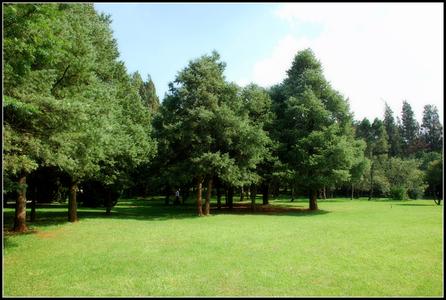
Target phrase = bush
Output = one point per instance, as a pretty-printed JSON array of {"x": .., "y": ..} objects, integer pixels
[
  {"x": 398, "y": 193},
  {"x": 416, "y": 193}
]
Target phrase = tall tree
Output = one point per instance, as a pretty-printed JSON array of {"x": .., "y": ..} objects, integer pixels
[
  {"x": 393, "y": 132},
  {"x": 31, "y": 114},
  {"x": 375, "y": 136},
  {"x": 317, "y": 140},
  {"x": 409, "y": 129},
  {"x": 83, "y": 116},
  {"x": 431, "y": 128},
  {"x": 147, "y": 91},
  {"x": 206, "y": 130},
  {"x": 257, "y": 104}
]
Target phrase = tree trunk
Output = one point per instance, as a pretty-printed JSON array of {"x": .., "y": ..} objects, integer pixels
[
  {"x": 292, "y": 194},
  {"x": 207, "y": 210},
  {"x": 108, "y": 204},
  {"x": 265, "y": 193},
  {"x": 325, "y": 193},
  {"x": 275, "y": 191},
  {"x": 242, "y": 196},
  {"x": 313, "y": 199},
  {"x": 253, "y": 203},
  {"x": 371, "y": 183},
  {"x": 166, "y": 199},
  {"x": 253, "y": 192},
  {"x": 33, "y": 205},
  {"x": 218, "y": 197},
  {"x": 33, "y": 210},
  {"x": 353, "y": 190},
  {"x": 20, "y": 207},
  {"x": 199, "y": 200},
  {"x": 231, "y": 197},
  {"x": 72, "y": 205}
]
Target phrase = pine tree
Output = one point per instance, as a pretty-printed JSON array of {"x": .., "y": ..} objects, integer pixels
[
  {"x": 431, "y": 129},
  {"x": 409, "y": 129},
  {"x": 393, "y": 132},
  {"x": 316, "y": 134},
  {"x": 205, "y": 130}
]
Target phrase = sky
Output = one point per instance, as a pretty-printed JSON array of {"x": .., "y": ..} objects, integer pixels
[{"x": 371, "y": 53}]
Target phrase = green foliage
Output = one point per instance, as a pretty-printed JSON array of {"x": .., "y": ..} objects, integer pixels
[
  {"x": 314, "y": 127},
  {"x": 204, "y": 126},
  {"x": 434, "y": 177},
  {"x": 405, "y": 174},
  {"x": 146, "y": 91},
  {"x": 393, "y": 132},
  {"x": 409, "y": 129},
  {"x": 431, "y": 129},
  {"x": 398, "y": 193},
  {"x": 69, "y": 103}
]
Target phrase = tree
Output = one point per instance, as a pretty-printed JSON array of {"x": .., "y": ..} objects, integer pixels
[
  {"x": 434, "y": 177},
  {"x": 205, "y": 130},
  {"x": 110, "y": 130},
  {"x": 317, "y": 140},
  {"x": 409, "y": 129},
  {"x": 258, "y": 105},
  {"x": 431, "y": 129},
  {"x": 146, "y": 91},
  {"x": 405, "y": 177},
  {"x": 360, "y": 167},
  {"x": 31, "y": 113},
  {"x": 70, "y": 104},
  {"x": 393, "y": 132}
]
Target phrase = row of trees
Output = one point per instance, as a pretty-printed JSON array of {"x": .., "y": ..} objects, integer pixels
[
  {"x": 405, "y": 158},
  {"x": 75, "y": 119},
  {"x": 307, "y": 141},
  {"x": 70, "y": 108}
]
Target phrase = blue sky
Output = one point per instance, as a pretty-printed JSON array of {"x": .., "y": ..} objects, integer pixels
[
  {"x": 160, "y": 39},
  {"x": 371, "y": 53}
]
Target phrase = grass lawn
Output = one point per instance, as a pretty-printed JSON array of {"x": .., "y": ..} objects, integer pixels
[{"x": 348, "y": 248}]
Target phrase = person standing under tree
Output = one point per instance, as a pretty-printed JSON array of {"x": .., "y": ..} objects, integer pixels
[{"x": 177, "y": 196}]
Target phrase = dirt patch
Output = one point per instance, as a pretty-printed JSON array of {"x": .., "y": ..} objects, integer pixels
[
  {"x": 49, "y": 234},
  {"x": 259, "y": 208}
]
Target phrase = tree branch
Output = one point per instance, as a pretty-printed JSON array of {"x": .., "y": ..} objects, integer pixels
[{"x": 60, "y": 79}]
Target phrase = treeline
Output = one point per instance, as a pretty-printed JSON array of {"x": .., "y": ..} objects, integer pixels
[
  {"x": 72, "y": 113},
  {"x": 405, "y": 158},
  {"x": 75, "y": 120}
]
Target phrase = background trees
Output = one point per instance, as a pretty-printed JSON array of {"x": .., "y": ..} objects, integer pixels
[{"x": 431, "y": 129}]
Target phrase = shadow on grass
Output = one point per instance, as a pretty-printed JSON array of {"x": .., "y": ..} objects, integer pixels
[
  {"x": 8, "y": 243},
  {"x": 149, "y": 209},
  {"x": 416, "y": 204},
  {"x": 269, "y": 209}
]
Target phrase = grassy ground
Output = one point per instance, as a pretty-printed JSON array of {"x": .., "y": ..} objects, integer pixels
[{"x": 350, "y": 248}]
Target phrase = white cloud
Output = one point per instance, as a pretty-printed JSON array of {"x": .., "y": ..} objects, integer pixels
[
  {"x": 273, "y": 69},
  {"x": 370, "y": 52}
]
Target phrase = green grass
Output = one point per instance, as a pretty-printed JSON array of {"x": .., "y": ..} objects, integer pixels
[{"x": 348, "y": 248}]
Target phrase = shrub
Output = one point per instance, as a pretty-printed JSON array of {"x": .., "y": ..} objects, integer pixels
[
  {"x": 416, "y": 193},
  {"x": 398, "y": 193}
]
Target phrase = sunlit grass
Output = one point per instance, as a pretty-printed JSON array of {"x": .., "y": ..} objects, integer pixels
[{"x": 354, "y": 248}]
